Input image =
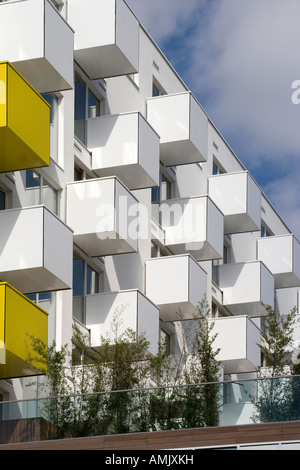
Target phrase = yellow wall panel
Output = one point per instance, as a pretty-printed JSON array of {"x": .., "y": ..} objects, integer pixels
[
  {"x": 3, "y": 95},
  {"x": 2, "y": 326},
  {"x": 22, "y": 319},
  {"x": 24, "y": 123}
]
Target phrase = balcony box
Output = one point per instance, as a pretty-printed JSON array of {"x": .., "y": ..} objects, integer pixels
[
  {"x": 245, "y": 287},
  {"x": 239, "y": 198},
  {"x": 106, "y": 37},
  {"x": 125, "y": 146},
  {"x": 176, "y": 284},
  {"x": 36, "y": 250},
  {"x": 129, "y": 309},
  {"x": 103, "y": 215},
  {"x": 182, "y": 126},
  {"x": 24, "y": 123},
  {"x": 19, "y": 319},
  {"x": 193, "y": 225},
  {"x": 39, "y": 43},
  {"x": 238, "y": 339},
  {"x": 281, "y": 254}
]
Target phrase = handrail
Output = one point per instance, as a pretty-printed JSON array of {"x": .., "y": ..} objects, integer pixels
[{"x": 161, "y": 387}]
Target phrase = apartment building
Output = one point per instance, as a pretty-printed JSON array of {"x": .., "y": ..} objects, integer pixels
[{"x": 141, "y": 201}]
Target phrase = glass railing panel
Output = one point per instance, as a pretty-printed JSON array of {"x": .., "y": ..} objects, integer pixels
[{"x": 156, "y": 409}]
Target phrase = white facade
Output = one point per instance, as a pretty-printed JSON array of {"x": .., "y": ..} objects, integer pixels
[{"x": 131, "y": 142}]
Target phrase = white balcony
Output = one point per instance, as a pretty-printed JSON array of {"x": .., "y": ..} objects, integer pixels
[
  {"x": 245, "y": 287},
  {"x": 238, "y": 339},
  {"x": 39, "y": 43},
  {"x": 182, "y": 126},
  {"x": 281, "y": 254},
  {"x": 239, "y": 198},
  {"x": 36, "y": 250},
  {"x": 125, "y": 146},
  {"x": 176, "y": 284},
  {"x": 125, "y": 310},
  {"x": 103, "y": 215},
  {"x": 193, "y": 225},
  {"x": 106, "y": 37}
]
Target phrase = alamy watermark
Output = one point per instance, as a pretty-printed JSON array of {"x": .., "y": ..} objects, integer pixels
[
  {"x": 132, "y": 220},
  {"x": 296, "y": 93}
]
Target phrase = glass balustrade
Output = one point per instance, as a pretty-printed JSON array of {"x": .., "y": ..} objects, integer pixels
[{"x": 154, "y": 409}]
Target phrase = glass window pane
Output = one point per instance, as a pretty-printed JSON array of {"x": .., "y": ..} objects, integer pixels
[
  {"x": 155, "y": 91},
  {"x": 80, "y": 110},
  {"x": 80, "y": 99},
  {"x": 78, "y": 277},
  {"x": 92, "y": 281},
  {"x": 33, "y": 183},
  {"x": 166, "y": 340},
  {"x": 155, "y": 194},
  {"x": 50, "y": 197},
  {"x": 93, "y": 105},
  {"x": 78, "y": 174},
  {"x": 53, "y": 101},
  {"x": 2, "y": 200}
]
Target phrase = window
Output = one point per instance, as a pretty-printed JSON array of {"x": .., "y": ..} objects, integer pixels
[
  {"x": 47, "y": 301},
  {"x": 53, "y": 101},
  {"x": 214, "y": 310},
  {"x": 227, "y": 251},
  {"x": 165, "y": 188},
  {"x": 87, "y": 105},
  {"x": 2, "y": 200},
  {"x": 166, "y": 340},
  {"x": 93, "y": 105},
  {"x": 40, "y": 191},
  {"x": 1, "y": 406},
  {"x": 225, "y": 255},
  {"x": 217, "y": 168},
  {"x": 163, "y": 192},
  {"x": 265, "y": 232},
  {"x": 78, "y": 173},
  {"x": 86, "y": 280},
  {"x": 157, "y": 89}
]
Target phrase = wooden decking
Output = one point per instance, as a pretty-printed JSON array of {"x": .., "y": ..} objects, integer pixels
[{"x": 189, "y": 439}]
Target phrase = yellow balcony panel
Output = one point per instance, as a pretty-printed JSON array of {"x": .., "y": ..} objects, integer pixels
[
  {"x": 24, "y": 123},
  {"x": 20, "y": 319}
]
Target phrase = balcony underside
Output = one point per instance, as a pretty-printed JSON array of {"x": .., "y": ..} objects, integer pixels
[
  {"x": 201, "y": 251},
  {"x": 111, "y": 245},
  {"x": 177, "y": 311},
  {"x": 42, "y": 75},
  {"x": 132, "y": 175},
  {"x": 32, "y": 280},
  {"x": 239, "y": 223},
  {"x": 104, "y": 62},
  {"x": 180, "y": 153}
]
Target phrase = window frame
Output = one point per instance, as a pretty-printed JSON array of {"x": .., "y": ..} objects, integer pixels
[
  {"x": 86, "y": 265},
  {"x": 41, "y": 195}
]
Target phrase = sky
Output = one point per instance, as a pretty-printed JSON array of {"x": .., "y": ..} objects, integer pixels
[{"x": 241, "y": 60}]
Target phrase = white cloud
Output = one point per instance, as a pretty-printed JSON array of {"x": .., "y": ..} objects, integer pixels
[
  {"x": 240, "y": 58},
  {"x": 250, "y": 57},
  {"x": 164, "y": 18},
  {"x": 284, "y": 195}
]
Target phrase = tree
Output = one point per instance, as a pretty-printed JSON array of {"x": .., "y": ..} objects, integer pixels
[
  {"x": 79, "y": 385},
  {"x": 277, "y": 340},
  {"x": 101, "y": 389},
  {"x": 277, "y": 397},
  {"x": 197, "y": 403}
]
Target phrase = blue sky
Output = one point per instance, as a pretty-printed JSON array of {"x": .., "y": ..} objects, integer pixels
[{"x": 240, "y": 58}]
